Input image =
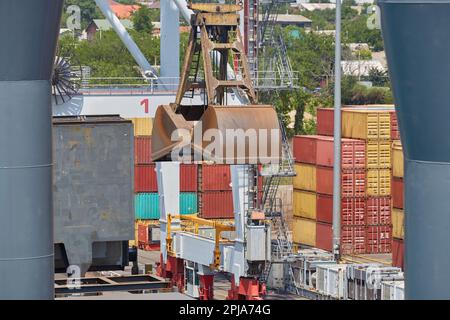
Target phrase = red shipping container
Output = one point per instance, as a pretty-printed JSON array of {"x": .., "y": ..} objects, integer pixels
[
  {"x": 188, "y": 177},
  {"x": 353, "y": 153},
  {"x": 353, "y": 210},
  {"x": 395, "y": 133},
  {"x": 145, "y": 178},
  {"x": 397, "y": 193},
  {"x": 143, "y": 150},
  {"x": 379, "y": 211},
  {"x": 324, "y": 208},
  {"x": 324, "y": 236},
  {"x": 398, "y": 253},
  {"x": 215, "y": 177},
  {"x": 305, "y": 149},
  {"x": 216, "y": 205},
  {"x": 353, "y": 240},
  {"x": 379, "y": 239},
  {"x": 325, "y": 121},
  {"x": 353, "y": 182}
]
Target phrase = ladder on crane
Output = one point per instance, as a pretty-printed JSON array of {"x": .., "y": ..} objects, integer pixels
[{"x": 282, "y": 245}]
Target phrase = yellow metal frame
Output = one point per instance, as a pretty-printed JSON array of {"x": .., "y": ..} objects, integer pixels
[{"x": 218, "y": 226}]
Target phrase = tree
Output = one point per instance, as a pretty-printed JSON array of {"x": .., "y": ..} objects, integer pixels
[
  {"x": 379, "y": 78},
  {"x": 142, "y": 20}
]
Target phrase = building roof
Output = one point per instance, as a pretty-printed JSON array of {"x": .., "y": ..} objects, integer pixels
[
  {"x": 360, "y": 67},
  {"x": 104, "y": 25},
  {"x": 290, "y": 18},
  {"x": 316, "y": 6},
  {"x": 123, "y": 11}
]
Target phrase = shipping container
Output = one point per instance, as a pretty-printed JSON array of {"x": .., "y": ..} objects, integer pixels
[
  {"x": 315, "y": 149},
  {"x": 306, "y": 177},
  {"x": 397, "y": 159},
  {"x": 324, "y": 236},
  {"x": 366, "y": 124},
  {"x": 304, "y": 231},
  {"x": 143, "y": 150},
  {"x": 146, "y": 206},
  {"x": 331, "y": 280},
  {"x": 398, "y": 223},
  {"x": 353, "y": 211},
  {"x": 397, "y": 192},
  {"x": 188, "y": 177},
  {"x": 188, "y": 203},
  {"x": 305, "y": 204},
  {"x": 379, "y": 239},
  {"x": 378, "y": 154},
  {"x": 145, "y": 178},
  {"x": 353, "y": 182},
  {"x": 353, "y": 239},
  {"x": 215, "y": 177},
  {"x": 378, "y": 211},
  {"x": 325, "y": 121},
  {"x": 398, "y": 255},
  {"x": 305, "y": 148},
  {"x": 149, "y": 237},
  {"x": 378, "y": 182},
  {"x": 353, "y": 153},
  {"x": 393, "y": 290},
  {"x": 216, "y": 204},
  {"x": 142, "y": 126},
  {"x": 395, "y": 132},
  {"x": 324, "y": 208}
]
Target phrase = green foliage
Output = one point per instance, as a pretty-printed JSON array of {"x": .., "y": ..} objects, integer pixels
[
  {"x": 142, "y": 20},
  {"x": 363, "y": 54},
  {"x": 379, "y": 78},
  {"x": 356, "y": 31},
  {"x": 312, "y": 56},
  {"x": 354, "y": 93},
  {"x": 106, "y": 54},
  {"x": 89, "y": 11}
]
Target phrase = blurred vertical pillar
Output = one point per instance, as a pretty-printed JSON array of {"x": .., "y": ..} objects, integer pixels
[
  {"x": 417, "y": 46},
  {"x": 28, "y": 34}
]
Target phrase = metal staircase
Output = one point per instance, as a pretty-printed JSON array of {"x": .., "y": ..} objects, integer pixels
[
  {"x": 274, "y": 60},
  {"x": 282, "y": 246}
]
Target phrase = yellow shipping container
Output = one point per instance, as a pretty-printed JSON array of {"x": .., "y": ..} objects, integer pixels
[
  {"x": 304, "y": 231},
  {"x": 366, "y": 124},
  {"x": 378, "y": 154},
  {"x": 306, "y": 177},
  {"x": 379, "y": 182},
  {"x": 305, "y": 204},
  {"x": 142, "y": 126},
  {"x": 398, "y": 223},
  {"x": 397, "y": 159}
]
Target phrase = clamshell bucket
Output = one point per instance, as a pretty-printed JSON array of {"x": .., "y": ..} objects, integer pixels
[
  {"x": 170, "y": 130},
  {"x": 224, "y": 134}
]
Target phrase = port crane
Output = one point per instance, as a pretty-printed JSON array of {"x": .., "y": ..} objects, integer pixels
[{"x": 187, "y": 256}]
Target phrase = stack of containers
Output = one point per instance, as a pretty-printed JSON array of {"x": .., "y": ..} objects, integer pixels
[
  {"x": 145, "y": 184},
  {"x": 215, "y": 195},
  {"x": 398, "y": 215},
  {"x": 313, "y": 193},
  {"x": 366, "y": 219}
]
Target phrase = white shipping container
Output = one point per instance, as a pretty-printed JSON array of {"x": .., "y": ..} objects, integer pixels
[
  {"x": 332, "y": 280},
  {"x": 393, "y": 290}
]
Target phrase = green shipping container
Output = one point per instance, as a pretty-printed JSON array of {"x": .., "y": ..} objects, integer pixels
[
  {"x": 188, "y": 203},
  {"x": 147, "y": 205}
]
